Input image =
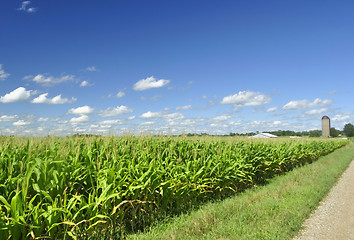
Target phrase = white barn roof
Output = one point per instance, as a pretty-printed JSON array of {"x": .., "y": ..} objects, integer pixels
[{"x": 264, "y": 135}]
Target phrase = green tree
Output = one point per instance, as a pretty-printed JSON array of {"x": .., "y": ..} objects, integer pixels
[
  {"x": 348, "y": 130},
  {"x": 315, "y": 133},
  {"x": 334, "y": 132}
]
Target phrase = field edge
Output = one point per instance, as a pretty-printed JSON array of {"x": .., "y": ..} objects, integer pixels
[{"x": 274, "y": 211}]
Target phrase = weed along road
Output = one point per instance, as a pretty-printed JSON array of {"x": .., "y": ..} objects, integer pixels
[{"x": 334, "y": 218}]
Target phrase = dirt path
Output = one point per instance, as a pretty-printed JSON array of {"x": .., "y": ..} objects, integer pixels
[{"x": 334, "y": 218}]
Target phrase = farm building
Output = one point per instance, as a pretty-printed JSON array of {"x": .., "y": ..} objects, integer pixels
[
  {"x": 264, "y": 135},
  {"x": 326, "y": 126}
]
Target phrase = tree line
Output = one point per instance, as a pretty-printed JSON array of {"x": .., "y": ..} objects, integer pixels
[{"x": 347, "y": 131}]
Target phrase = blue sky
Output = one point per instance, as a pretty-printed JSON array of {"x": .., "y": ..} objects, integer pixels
[{"x": 174, "y": 67}]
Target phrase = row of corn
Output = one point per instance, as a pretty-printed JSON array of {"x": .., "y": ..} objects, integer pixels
[{"x": 86, "y": 187}]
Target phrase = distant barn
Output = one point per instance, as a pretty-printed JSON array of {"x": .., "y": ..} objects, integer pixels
[{"x": 264, "y": 135}]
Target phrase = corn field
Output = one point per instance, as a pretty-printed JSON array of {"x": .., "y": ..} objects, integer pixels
[{"x": 103, "y": 187}]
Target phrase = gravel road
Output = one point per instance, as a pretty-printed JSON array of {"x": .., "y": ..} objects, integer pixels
[{"x": 334, "y": 218}]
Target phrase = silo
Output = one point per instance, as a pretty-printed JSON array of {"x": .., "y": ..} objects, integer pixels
[{"x": 326, "y": 126}]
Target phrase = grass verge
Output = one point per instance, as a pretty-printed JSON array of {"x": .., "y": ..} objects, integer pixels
[{"x": 274, "y": 211}]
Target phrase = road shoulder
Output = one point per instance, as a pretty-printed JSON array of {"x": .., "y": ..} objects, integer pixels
[{"x": 334, "y": 218}]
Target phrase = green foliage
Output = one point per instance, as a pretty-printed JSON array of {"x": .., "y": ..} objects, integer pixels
[
  {"x": 276, "y": 210},
  {"x": 315, "y": 133},
  {"x": 84, "y": 187},
  {"x": 280, "y": 133},
  {"x": 348, "y": 130},
  {"x": 334, "y": 132}
]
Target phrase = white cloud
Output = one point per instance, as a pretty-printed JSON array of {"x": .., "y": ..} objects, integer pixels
[
  {"x": 112, "y": 122},
  {"x": 246, "y": 98},
  {"x": 277, "y": 122},
  {"x": 266, "y": 125},
  {"x": 237, "y": 123},
  {"x": 55, "y": 100},
  {"x": 6, "y": 118},
  {"x": 24, "y": 7},
  {"x": 21, "y": 123},
  {"x": 42, "y": 119},
  {"x": 81, "y": 119},
  {"x": 174, "y": 116},
  {"x": 18, "y": 95},
  {"x": 151, "y": 114},
  {"x": 148, "y": 123},
  {"x": 316, "y": 111},
  {"x": 319, "y": 103},
  {"x": 300, "y": 104},
  {"x": 172, "y": 119},
  {"x": 85, "y": 84},
  {"x": 184, "y": 107},
  {"x": 192, "y": 122},
  {"x": 110, "y": 112},
  {"x": 120, "y": 94},
  {"x": 84, "y": 110},
  {"x": 218, "y": 125},
  {"x": 50, "y": 80},
  {"x": 3, "y": 74},
  {"x": 340, "y": 117},
  {"x": 303, "y": 104},
  {"x": 31, "y": 9},
  {"x": 272, "y": 109},
  {"x": 148, "y": 83},
  {"x": 91, "y": 69},
  {"x": 221, "y": 118}
]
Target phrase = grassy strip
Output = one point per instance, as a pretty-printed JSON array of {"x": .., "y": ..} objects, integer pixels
[{"x": 274, "y": 211}]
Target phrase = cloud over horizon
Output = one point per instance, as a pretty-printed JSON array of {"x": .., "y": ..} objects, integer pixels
[
  {"x": 111, "y": 112},
  {"x": 150, "y": 114},
  {"x": 304, "y": 104},
  {"x": 21, "y": 123},
  {"x": 81, "y": 119},
  {"x": 6, "y": 118},
  {"x": 246, "y": 99}
]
